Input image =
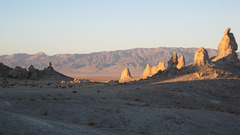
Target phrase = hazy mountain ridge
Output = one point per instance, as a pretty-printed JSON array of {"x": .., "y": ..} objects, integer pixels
[{"x": 102, "y": 63}]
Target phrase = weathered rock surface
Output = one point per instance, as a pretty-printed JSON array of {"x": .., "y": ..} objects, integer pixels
[
  {"x": 104, "y": 63},
  {"x": 4, "y": 70},
  {"x": 48, "y": 74},
  {"x": 181, "y": 62},
  {"x": 19, "y": 73},
  {"x": 33, "y": 73},
  {"x": 150, "y": 71},
  {"x": 201, "y": 57},
  {"x": 147, "y": 72},
  {"x": 83, "y": 81},
  {"x": 157, "y": 68},
  {"x": 227, "y": 48},
  {"x": 49, "y": 70},
  {"x": 125, "y": 76},
  {"x": 172, "y": 63}
]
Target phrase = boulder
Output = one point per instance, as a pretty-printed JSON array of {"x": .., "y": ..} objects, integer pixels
[
  {"x": 19, "y": 73},
  {"x": 201, "y": 57},
  {"x": 227, "y": 48},
  {"x": 125, "y": 76},
  {"x": 181, "y": 62},
  {"x": 172, "y": 63}
]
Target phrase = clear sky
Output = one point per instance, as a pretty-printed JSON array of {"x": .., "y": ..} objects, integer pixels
[{"x": 85, "y": 26}]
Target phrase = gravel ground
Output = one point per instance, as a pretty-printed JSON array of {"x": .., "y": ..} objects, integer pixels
[{"x": 152, "y": 107}]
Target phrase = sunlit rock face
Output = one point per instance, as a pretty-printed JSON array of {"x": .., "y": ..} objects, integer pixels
[
  {"x": 201, "y": 57},
  {"x": 150, "y": 71},
  {"x": 181, "y": 62},
  {"x": 147, "y": 72},
  {"x": 227, "y": 48},
  {"x": 159, "y": 67},
  {"x": 172, "y": 63},
  {"x": 125, "y": 76}
]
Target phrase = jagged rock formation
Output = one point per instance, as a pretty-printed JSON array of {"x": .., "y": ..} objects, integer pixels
[
  {"x": 172, "y": 63},
  {"x": 227, "y": 48},
  {"x": 49, "y": 70},
  {"x": 150, "y": 71},
  {"x": 125, "y": 76},
  {"x": 103, "y": 63},
  {"x": 48, "y": 74},
  {"x": 19, "y": 73},
  {"x": 4, "y": 70},
  {"x": 161, "y": 66},
  {"x": 33, "y": 73},
  {"x": 181, "y": 62},
  {"x": 224, "y": 65},
  {"x": 147, "y": 72},
  {"x": 201, "y": 57},
  {"x": 82, "y": 81},
  {"x": 157, "y": 68},
  {"x": 175, "y": 63}
]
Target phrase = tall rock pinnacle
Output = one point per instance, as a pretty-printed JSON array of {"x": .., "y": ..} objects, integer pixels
[
  {"x": 125, "y": 76},
  {"x": 227, "y": 48},
  {"x": 201, "y": 57}
]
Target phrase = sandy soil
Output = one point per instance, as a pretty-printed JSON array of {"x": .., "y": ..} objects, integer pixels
[{"x": 152, "y": 107}]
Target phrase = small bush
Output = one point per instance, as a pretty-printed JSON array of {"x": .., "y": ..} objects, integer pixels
[{"x": 91, "y": 123}]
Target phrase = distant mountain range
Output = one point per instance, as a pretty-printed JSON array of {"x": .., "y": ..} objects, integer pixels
[{"x": 110, "y": 63}]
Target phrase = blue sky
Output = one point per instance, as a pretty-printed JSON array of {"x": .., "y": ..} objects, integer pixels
[{"x": 85, "y": 26}]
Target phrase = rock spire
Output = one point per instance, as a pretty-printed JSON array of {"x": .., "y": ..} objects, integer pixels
[
  {"x": 125, "y": 76},
  {"x": 181, "y": 62},
  {"x": 227, "y": 48},
  {"x": 201, "y": 57},
  {"x": 172, "y": 63}
]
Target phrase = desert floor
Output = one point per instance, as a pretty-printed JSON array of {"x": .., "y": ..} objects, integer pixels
[
  {"x": 152, "y": 107},
  {"x": 100, "y": 79}
]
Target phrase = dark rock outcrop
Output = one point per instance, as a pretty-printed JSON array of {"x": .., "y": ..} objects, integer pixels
[
  {"x": 47, "y": 75},
  {"x": 4, "y": 70},
  {"x": 19, "y": 73},
  {"x": 33, "y": 73}
]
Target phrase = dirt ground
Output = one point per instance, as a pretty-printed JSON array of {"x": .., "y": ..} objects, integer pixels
[{"x": 170, "y": 106}]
